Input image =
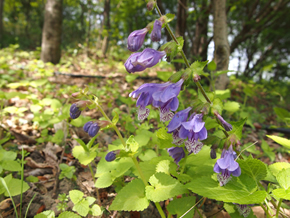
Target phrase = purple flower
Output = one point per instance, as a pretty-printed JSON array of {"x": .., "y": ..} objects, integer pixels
[
  {"x": 166, "y": 100},
  {"x": 111, "y": 156},
  {"x": 94, "y": 129},
  {"x": 75, "y": 111},
  {"x": 144, "y": 94},
  {"x": 178, "y": 118},
  {"x": 156, "y": 32},
  {"x": 87, "y": 126},
  {"x": 136, "y": 39},
  {"x": 226, "y": 125},
  {"x": 194, "y": 130},
  {"x": 141, "y": 60},
  {"x": 227, "y": 166},
  {"x": 244, "y": 209},
  {"x": 177, "y": 153}
]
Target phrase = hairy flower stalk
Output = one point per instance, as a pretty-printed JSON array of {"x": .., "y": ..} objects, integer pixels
[
  {"x": 227, "y": 166},
  {"x": 141, "y": 60}
]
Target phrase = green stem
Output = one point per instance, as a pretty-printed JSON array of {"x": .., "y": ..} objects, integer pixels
[
  {"x": 113, "y": 125},
  {"x": 184, "y": 57},
  {"x": 160, "y": 210},
  {"x": 278, "y": 208},
  {"x": 21, "y": 192},
  {"x": 98, "y": 194},
  {"x": 266, "y": 210},
  {"x": 184, "y": 163},
  {"x": 139, "y": 170}
]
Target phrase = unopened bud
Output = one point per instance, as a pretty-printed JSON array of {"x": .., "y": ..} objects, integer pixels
[
  {"x": 75, "y": 94},
  {"x": 226, "y": 125},
  {"x": 150, "y": 5},
  {"x": 213, "y": 153},
  {"x": 103, "y": 123},
  {"x": 196, "y": 78},
  {"x": 112, "y": 155}
]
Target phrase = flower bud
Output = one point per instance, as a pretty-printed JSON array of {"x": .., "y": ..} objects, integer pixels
[
  {"x": 103, "y": 123},
  {"x": 75, "y": 115},
  {"x": 156, "y": 32},
  {"x": 93, "y": 129},
  {"x": 75, "y": 94},
  {"x": 136, "y": 39},
  {"x": 111, "y": 155},
  {"x": 226, "y": 125},
  {"x": 75, "y": 111},
  {"x": 87, "y": 126},
  {"x": 196, "y": 78},
  {"x": 150, "y": 5},
  {"x": 213, "y": 153}
]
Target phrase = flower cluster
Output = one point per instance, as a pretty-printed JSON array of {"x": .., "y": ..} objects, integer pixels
[
  {"x": 149, "y": 57},
  {"x": 190, "y": 132},
  {"x": 162, "y": 96},
  {"x": 227, "y": 166}
]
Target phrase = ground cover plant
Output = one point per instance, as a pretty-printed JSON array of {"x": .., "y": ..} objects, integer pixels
[{"x": 153, "y": 146}]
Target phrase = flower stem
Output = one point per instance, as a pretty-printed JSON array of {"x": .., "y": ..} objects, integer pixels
[
  {"x": 133, "y": 158},
  {"x": 183, "y": 56},
  {"x": 278, "y": 208}
]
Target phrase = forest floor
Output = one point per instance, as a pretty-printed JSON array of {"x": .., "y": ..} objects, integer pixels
[{"x": 45, "y": 156}]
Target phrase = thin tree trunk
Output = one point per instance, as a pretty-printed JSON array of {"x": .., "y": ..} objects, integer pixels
[
  {"x": 51, "y": 33},
  {"x": 1, "y": 23},
  {"x": 106, "y": 14},
  {"x": 87, "y": 49},
  {"x": 221, "y": 44}
]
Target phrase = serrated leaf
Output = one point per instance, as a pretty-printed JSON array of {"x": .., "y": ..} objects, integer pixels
[
  {"x": 131, "y": 142},
  {"x": 277, "y": 167},
  {"x": 131, "y": 197},
  {"x": 223, "y": 94},
  {"x": 238, "y": 128},
  {"x": 210, "y": 123},
  {"x": 147, "y": 168},
  {"x": 96, "y": 210},
  {"x": 217, "y": 105},
  {"x": 107, "y": 172},
  {"x": 282, "y": 193},
  {"x": 169, "y": 17},
  {"x": 282, "y": 141},
  {"x": 83, "y": 156},
  {"x": 163, "y": 187},
  {"x": 231, "y": 106},
  {"x": 254, "y": 168},
  {"x": 69, "y": 214},
  {"x": 163, "y": 167},
  {"x": 164, "y": 139},
  {"x": 76, "y": 196},
  {"x": 46, "y": 214},
  {"x": 283, "y": 178},
  {"x": 241, "y": 190},
  {"x": 211, "y": 66},
  {"x": 281, "y": 113},
  {"x": 201, "y": 97},
  {"x": 181, "y": 205},
  {"x": 82, "y": 207},
  {"x": 268, "y": 150}
]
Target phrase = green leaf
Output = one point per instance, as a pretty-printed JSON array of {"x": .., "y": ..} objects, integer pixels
[
  {"x": 107, "y": 172},
  {"x": 147, "y": 168},
  {"x": 223, "y": 94},
  {"x": 210, "y": 123},
  {"x": 82, "y": 207},
  {"x": 169, "y": 17},
  {"x": 14, "y": 186},
  {"x": 217, "y": 105},
  {"x": 283, "y": 178},
  {"x": 76, "y": 196},
  {"x": 91, "y": 200},
  {"x": 147, "y": 155},
  {"x": 131, "y": 77},
  {"x": 84, "y": 157},
  {"x": 181, "y": 205},
  {"x": 46, "y": 214},
  {"x": 231, "y": 106},
  {"x": 11, "y": 165},
  {"x": 275, "y": 168},
  {"x": 241, "y": 190},
  {"x": 39, "y": 82},
  {"x": 282, "y": 141},
  {"x": 164, "y": 139},
  {"x": 218, "y": 73},
  {"x": 238, "y": 128},
  {"x": 198, "y": 66},
  {"x": 116, "y": 117},
  {"x": 131, "y": 197},
  {"x": 132, "y": 143},
  {"x": 143, "y": 137},
  {"x": 254, "y": 168},
  {"x": 163, "y": 167},
  {"x": 282, "y": 193},
  {"x": 268, "y": 150},
  {"x": 69, "y": 214},
  {"x": 163, "y": 187},
  {"x": 32, "y": 179},
  {"x": 201, "y": 97},
  {"x": 211, "y": 66},
  {"x": 281, "y": 113},
  {"x": 164, "y": 75},
  {"x": 96, "y": 210}
]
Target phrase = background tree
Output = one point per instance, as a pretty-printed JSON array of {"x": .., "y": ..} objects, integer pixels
[
  {"x": 51, "y": 34},
  {"x": 1, "y": 22}
]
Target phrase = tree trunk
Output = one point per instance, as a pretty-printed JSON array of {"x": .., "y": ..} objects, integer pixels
[
  {"x": 1, "y": 23},
  {"x": 221, "y": 44},
  {"x": 51, "y": 33},
  {"x": 106, "y": 14}
]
